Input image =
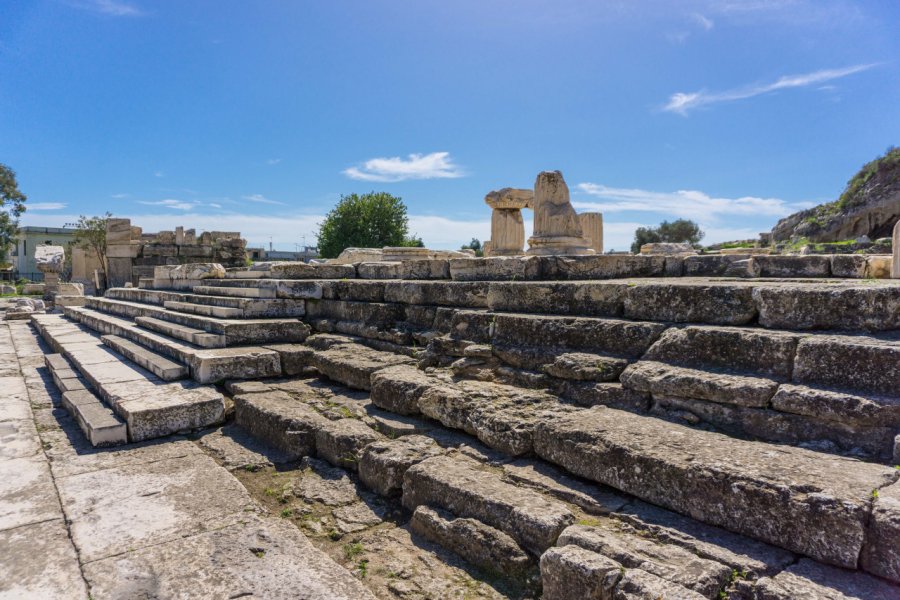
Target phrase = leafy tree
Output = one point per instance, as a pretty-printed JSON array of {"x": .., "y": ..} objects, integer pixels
[
  {"x": 678, "y": 232},
  {"x": 475, "y": 245},
  {"x": 90, "y": 235},
  {"x": 413, "y": 242},
  {"x": 12, "y": 205},
  {"x": 372, "y": 220}
]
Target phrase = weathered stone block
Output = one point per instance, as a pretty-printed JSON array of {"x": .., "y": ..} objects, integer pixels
[
  {"x": 569, "y": 572},
  {"x": 495, "y": 268},
  {"x": 719, "y": 304},
  {"x": 788, "y": 266},
  {"x": 582, "y": 299},
  {"x": 858, "y": 307},
  {"x": 383, "y": 463},
  {"x": 851, "y": 266}
]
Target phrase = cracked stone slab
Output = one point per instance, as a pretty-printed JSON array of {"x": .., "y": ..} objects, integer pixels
[
  {"x": 18, "y": 439},
  {"x": 125, "y": 508},
  {"x": 256, "y": 557},
  {"x": 39, "y": 561},
  {"x": 239, "y": 450},
  {"x": 26, "y": 492}
]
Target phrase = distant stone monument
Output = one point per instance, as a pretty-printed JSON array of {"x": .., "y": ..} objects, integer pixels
[
  {"x": 895, "y": 249},
  {"x": 557, "y": 228},
  {"x": 592, "y": 227},
  {"x": 507, "y": 226},
  {"x": 50, "y": 261}
]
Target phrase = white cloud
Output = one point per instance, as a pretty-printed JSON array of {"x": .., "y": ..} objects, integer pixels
[
  {"x": 120, "y": 196},
  {"x": 691, "y": 204},
  {"x": 681, "y": 102},
  {"x": 273, "y": 161},
  {"x": 214, "y": 205},
  {"x": 437, "y": 165},
  {"x": 171, "y": 203},
  {"x": 704, "y": 22},
  {"x": 260, "y": 199},
  {"x": 159, "y": 174},
  {"x": 46, "y": 206},
  {"x": 113, "y": 8}
]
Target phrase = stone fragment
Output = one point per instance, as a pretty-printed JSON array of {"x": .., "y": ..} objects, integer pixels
[
  {"x": 813, "y": 503},
  {"x": 341, "y": 442},
  {"x": 479, "y": 544},
  {"x": 383, "y": 463},
  {"x": 592, "y": 498},
  {"x": 570, "y": 572},
  {"x": 661, "y": 379},
  {"x": 668, "y": 249},
  {"x": 49, "y": 259},
  {"x": 637, "y": 584},
  {"x": 787, "y": 266},
  {"x": 809, "y": 580},
  {"x": 463, "y": 487},
  {"x": 586, "y": 367},
  {"x": 399, "y": 388},
  {"x": 280, "y": 420},
  {"x": 849, "y": 266},
  {"x": 667, "y": 561},
  {"x": 895, "y": 249},
  {"x": 353, "y": 364},
  {"x": 495, "y": 268},
  {"x": 831, "y": 405},
  {"x": 562, "y": 298},
  {"x": 323, "y": 483},
  {"x": 881, "y": 554},
  {"x": 861, "y": 363},
  {"x": 718, "y": 304},
  {"x": 557, "y": 229},
  {"x": 592, "y": 228},
  {"x": 854, "y": 308},
  {"x": 357, "y": 517}
]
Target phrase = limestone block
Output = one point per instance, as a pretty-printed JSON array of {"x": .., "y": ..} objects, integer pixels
[
  {"x": 73, "y": 300},
  {"x": 71, "y": 289},
  {"x": 165, "y": 237},
  {"x": 131, "y": 250},
  {"x": 28, "y": 288},
  {"x": 895, "y": 249},
  {"x": 119, "y": 271},
  {"x": 668, "y": 249},
  {"x": 392, "y": 254},
  {"x": 557, "y": 229},
  {"x": 592, "y": 226},
  {"x": 572, "y": 572},
  {"x": 878, "y": 267},
  {"x": 8, "y": 289},
  {"x": 179, "y": 236},
  {"x": 190, "y": 237},
  {"x": 193, "y": 271},
  {"x": 851, "y": 266},
  {"x": 195, "y": 251},
  {"x": 794, "y": 266},
  {"x": 510, "y": 198},
  {"x": 170, "y": 250},
  {"x": 49, "y": 259},
  {"x": 118, "y": 231},
  {"x": 357, "y": 255}
]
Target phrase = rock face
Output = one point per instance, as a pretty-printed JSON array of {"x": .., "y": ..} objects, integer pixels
[
  {"x": 869, "y": 206},
  {"x": 557, "y": 229}
]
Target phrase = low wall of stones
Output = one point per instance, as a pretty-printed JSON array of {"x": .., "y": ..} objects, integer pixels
[{"x": 601, "y": 266}]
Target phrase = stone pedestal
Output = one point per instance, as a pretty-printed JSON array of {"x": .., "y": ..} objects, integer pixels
[
  {"x": 507, "y": 226},
  {"x": 895, "y": 249},
  {"x": 119, "y": 251},
  {"x": 557, "y": 229},
  {"x": 592, "y": 228}
]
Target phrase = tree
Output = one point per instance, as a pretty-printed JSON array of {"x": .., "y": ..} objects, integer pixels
[
  {"x": 678, "y": 232},
  {"x": 475, "y": 245},
  {"x": 372, "y": 220},
  {"x": 12, "y": 205},
  {"x": 90, "y": 235}
]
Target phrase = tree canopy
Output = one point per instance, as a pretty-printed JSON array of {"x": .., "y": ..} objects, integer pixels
[
  {"x": 372, "y": 220},
  {"x": 475, "y": 245},
  {"x": 90, "y": 234},
  {"x": 12, "y": 205},
  {"x": 678, "y": 231}
]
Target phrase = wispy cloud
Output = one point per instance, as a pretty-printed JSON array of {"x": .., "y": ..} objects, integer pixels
[
  {"x": 704, "y": 22},
  {"x": 159, "y": 174},
  {"x": 683, "y": 203},
  {"x": 46, "y": 206},
  {"x": 113, "y": 8},
  {"x": 273, "y": 161},
  {"x": 260, "y": 199},
  {"x": 120, "y": 196},
  {"x": 437, "y": 165},
  {"x": 171, "y": 203},
  {"x": 682, "y": 103}
]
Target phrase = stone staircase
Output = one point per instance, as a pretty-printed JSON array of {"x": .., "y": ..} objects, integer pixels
[{"x": 629, "y": 438}]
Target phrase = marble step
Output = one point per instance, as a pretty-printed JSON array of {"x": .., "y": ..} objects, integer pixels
[
  {"x": 197, "y": 337},
  {"x": 206, "y": 365},
  {"x": 161, "y": 366},
  {"x": 100, "y": 425},
  {"x": 238, "y": 292},
  {"x": 148, "y": 405},
  {"x": 235, "y": 331},
  {"x": 206, "y": 310}
]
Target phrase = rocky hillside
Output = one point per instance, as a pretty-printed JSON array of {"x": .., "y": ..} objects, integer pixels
[{"x": 870, "y": 205}]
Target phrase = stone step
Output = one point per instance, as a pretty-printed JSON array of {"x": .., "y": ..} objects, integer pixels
[
  {"x": 143, "y": 295},
  {"x": 100, "y": 425},
  {"x": 197, "y": 337},
  {"x": 235, "y": 331},
  {"x": 284, "y": 288},
  {"x": 811, "y": 503},
  {"x": 159, "y": 365},
  {"x": 237, "y": 292},
  {"x": 354, "y": 364},
  {"x": 207, "y": 365},
  {"x": 206, "y": 310},
  {"x": 149, "y": 406}
]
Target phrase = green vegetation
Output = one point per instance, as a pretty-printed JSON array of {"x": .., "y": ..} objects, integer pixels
[
  {"x": 12, "y": 205},
  {"x": 90, "y": 235},
  {"x": 372, "y": 220},
  {"x": 678, "y": 231},
  {"x": 475, "y": 245},
  {"x": 351, "y": 551}
]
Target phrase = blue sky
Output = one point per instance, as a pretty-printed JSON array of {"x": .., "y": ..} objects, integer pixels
[{"x": 257, "y": 116}]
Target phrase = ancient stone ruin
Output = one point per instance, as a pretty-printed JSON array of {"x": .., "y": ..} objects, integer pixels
[{"x": 571, "y": 426}]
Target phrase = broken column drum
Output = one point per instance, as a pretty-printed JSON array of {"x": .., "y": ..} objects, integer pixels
[
  {"x": 895, "y": 246},
  {"x": 507, "y": 226},
  {"x": 557, "y": 229},
  {"x": 592, "y": 228}
]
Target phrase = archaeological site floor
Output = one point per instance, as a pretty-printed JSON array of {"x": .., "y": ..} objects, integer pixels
[{"x": 591, "y": 427}]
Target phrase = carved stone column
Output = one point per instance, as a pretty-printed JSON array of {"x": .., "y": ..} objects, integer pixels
[
  {"x": 507, "y": 226},
  {"x": 895, "y": 249},
  {"x": 592, "y": 227},
  {"x": 557, "y": 229}
]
